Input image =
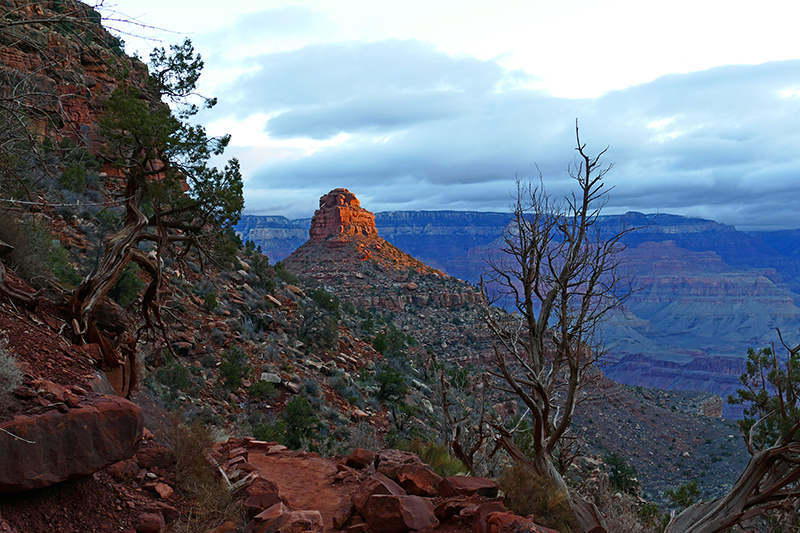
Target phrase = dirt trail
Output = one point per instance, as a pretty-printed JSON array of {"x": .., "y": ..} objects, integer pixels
[{"x": 306, "y": 482}]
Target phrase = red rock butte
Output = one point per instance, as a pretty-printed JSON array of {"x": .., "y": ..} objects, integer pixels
[{"x": 340, "y": 215}]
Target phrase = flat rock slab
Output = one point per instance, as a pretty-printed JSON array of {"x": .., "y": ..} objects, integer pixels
[{"x": 40, "y": 450}]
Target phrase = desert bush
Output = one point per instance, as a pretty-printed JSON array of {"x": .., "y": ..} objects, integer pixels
[
  {"x": 198, "y": 480},
  {"x": 284, "y": 274},
  {"x": 301, "y": 422},
  {"x": 684, "y": 496},
  {"x": 621, "y": 475},
  {"x": 210, "y": 301},
  {"x": 128, "y": 286},
  {"x": 437, "y": 457},
  {"x": 263, "y": 390},
  {"x": 235, "y": 366},
  {"x": 37, "y": 257},
  {"x": 10, "y": 374},
  {"x": 527, "y": 493},
  {"x": 626, "y": 515}
]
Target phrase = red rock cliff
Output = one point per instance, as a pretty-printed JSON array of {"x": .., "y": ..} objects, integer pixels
[{"x": 340, "y": 215}]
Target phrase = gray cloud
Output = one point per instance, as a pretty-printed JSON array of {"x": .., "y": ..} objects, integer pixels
[{"x": 431, "y": 131}]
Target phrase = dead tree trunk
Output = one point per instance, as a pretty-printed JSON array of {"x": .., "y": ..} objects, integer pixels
[{"x": 769, "y": 479}]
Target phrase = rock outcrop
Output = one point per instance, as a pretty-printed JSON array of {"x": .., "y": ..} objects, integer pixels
[
  {"x": 40, "y": 450},
  {"x": 345, "y": 251},
  {"x": 340, "y": 216},
  {"x": 59, "y": 61}
]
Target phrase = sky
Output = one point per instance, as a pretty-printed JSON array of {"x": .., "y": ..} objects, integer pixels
[{"x": 441, "y": 105}]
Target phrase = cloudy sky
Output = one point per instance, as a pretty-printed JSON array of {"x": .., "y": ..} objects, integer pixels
[{"x": 439, "y": 104}]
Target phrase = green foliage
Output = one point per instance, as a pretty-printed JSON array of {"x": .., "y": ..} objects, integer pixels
[
  {"x": 73, "y": 179},
  {"x": 128, "y": 286},
  {"x": 301, "y": 422},
  {"x": 262, "y": 390},
  {"x": 285, "y": 275},
  {"x": 392, "y": 384},
  {"x": 271, "y": 432},
  {"x": 392, "y": 342},
  {"x": 210, "y": 301},
  {"x": 527, "y": 493},
  {"x": 770, "y": 394},
  {"x": 326, "y": 301},
  {"x": 58, "y": 263},
  {"x": 437, "y": 457},
  {"x": 684, "y": 496},
  {"x": 622, "y": 476},
  {"x": 37, "y": 257},
  {"x": 235, "y": 367}
]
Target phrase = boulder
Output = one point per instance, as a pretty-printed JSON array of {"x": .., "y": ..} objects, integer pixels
[
  {"x": 43, "y": 449},
  {"x": 360, "y": 458},
  {"x": 376, "y": 484},
  {"x": 297, "y": 522},
  {"x": 468, "y": 486},
  {"x": 260, "y": 501},
  {"x": 418, "y": 480},
  {"x": 398, "y": 514},
  {"x": 481, "y": 515},
  {"x": 150, "y": 523},
  {"x": 152, "y": 455},
  {"x": 389, "y": 462}
]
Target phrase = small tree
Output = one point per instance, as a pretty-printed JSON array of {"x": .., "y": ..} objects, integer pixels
[
  {"x": 560, "y": 274},
  {"x": 770, "y": 481},
  {"x": 172, "y": 197}
]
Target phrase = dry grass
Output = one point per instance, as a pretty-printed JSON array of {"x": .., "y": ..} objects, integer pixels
[
  {"x": 10, "y": 374},
  {"x": 198, "y": 480},
  {"x": 529, "y": 494}
]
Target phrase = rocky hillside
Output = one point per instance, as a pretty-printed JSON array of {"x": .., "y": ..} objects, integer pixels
[{"x": 704, "y": 292}]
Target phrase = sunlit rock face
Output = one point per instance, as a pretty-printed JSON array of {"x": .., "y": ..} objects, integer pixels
[{"x": 340, "y": 215}]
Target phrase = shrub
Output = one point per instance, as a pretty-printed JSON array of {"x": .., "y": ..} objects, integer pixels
[
  {"x": 527, "y": 493},
  {"x": 197, "y": 479},
  {"x": 284, "y": 274},
  {"x": 210, "y": 301},
  {"x": 684, "y": 496},
  {"x": 233, "y": 368},
  {"x": 128, "y": 286},
  {"x": 437, "y": 457},
  {"x": 301, "y": 422},
  {"x": 10, "y": 374},
  {"x": 263, "y": 390},
  {"x": 621, "y": 475}
]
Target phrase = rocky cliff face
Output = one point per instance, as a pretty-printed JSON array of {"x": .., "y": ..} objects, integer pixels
[
  {"x": 59, "y": 64},
  {"x": 345, "y": 251},
  {"x": 341, "y": 216}
]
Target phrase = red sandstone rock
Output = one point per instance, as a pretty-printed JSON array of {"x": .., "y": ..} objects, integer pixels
[
  {"x": 390, "y": 461},
  {"x": 297, "y": 522},
  {"x": 164, "y": 490},
  {"x": 257, "y": 503},
  {"x": 340, "y": 215},
  {"x": 504, "y": 520},
  {"x": 376, "y": 484},
  {"x": 150, "y": 523},
  {"x": 122, "y": 470},
  {"x": 418, "y": 480},
  {"x": 468, "y": 486},
  {"x": 482, "y": 513},
  {"x": 360, "y": 458},
  {"x": 398, "y": 514},
  {"x": 40, "y": 450},
  {"x": 154, "y": 454}
]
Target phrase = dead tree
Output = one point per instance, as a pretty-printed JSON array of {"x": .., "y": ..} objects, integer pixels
[
  {"x": 770, "y": 428},
  {"x": 560, "y": 274}
]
